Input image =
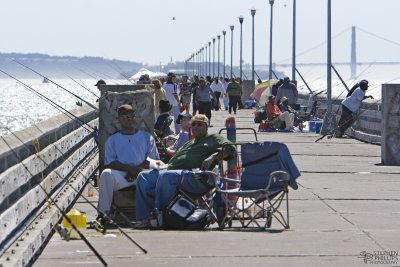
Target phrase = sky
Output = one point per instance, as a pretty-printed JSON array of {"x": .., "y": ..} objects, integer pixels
[{"x": 144, "y": 31}]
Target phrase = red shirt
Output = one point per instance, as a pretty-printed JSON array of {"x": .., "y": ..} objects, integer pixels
[{"x": 273, "y": 111}]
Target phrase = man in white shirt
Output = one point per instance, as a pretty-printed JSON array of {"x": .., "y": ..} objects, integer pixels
[
  {"x": 350, "y": 106},
  {"x": 126, "y": 154},
  {"x": 171, "y": 90}
]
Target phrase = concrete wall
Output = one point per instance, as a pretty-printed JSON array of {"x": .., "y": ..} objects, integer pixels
[
  {"x": 248, "y": 88},
  {"x": 367, "y": 128},
  {"x": 142, "y": 100},
  {"x": 57, "y": 154},
  {"x": 391, "y": 124}
]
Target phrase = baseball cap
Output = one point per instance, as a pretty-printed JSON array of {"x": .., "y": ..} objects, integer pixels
[
  {"x": 200, "y": 118},
  {"x": 124, "y": 108},
  {"x": 181, "y": 116},
  {"x": 99, "y": 82}
]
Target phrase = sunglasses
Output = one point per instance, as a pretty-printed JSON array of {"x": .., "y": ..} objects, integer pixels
[
  {"x": 128, "y": 116},
  {"x": 198, "y": 124}
]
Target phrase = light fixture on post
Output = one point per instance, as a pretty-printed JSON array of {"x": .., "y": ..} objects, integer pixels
[
  {"x": 232, "y": 27},
  {"x": 213, "y": 57},
  {"x": 253, "y": 12},
  {"x": 209, "y": 58},
  {"x": 271, "y": 2},
  {"x": 241, "y": 59},
  {"x": 218, "y": 37}
]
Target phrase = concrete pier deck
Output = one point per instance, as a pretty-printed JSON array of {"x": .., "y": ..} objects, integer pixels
[{"x": 346, "y": 204}]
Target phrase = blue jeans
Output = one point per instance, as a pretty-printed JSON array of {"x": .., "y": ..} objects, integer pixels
[{"x": 156, "y": 189}]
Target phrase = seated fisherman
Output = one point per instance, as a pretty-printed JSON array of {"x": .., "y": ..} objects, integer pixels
[
  {"x": 174, "y": 142},
  {"x": 283, "y": 104},
  {"x": 126, "y": 154},
  {"x": 156, "y": 189},
  {"x": 164, "y": 120},
  {"x": 279, "y": 119},
  {"x": 289, "y": 90}
]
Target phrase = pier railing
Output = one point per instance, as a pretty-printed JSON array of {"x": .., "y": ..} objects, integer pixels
[{"x": 56, "y": 154}]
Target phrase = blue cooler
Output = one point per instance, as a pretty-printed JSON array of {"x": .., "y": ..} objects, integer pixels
[{"x": 318, "y": 125}]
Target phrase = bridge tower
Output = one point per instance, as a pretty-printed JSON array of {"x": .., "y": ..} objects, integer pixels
[{"x": 353, "y": 60}]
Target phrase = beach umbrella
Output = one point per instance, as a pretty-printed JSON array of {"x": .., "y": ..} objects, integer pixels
[{"x": 262, "y": 92}]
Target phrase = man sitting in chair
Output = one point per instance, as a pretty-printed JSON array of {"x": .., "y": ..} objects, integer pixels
[
  {"x": 126, "y": 154},
  {"x": 156, "y": 189},
  {"x": 279, "y": 119}
]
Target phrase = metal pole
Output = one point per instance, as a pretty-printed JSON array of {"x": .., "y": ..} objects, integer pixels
[
  {"x": 329, "y": 124},
  {"x": 294, "y": 43},
  {"x": 193, "y": 64},
  {"x": 232, "y": 27},
  {"x": 241, "y": 60},
  {"x": 224, "y": 33},
  {"x": 209, "y": 58},
  {"x": 270, "y": 41},
  {"x": 253, "y": 12},
  {"x": 206, "y": 65},
  {"x": 219, "y": 37},
  {"x": 329, "y": 61},
  {"x": 213, "y": 57}
]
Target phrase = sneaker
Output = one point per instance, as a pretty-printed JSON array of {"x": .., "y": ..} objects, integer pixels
[{"x": 143, "y": 224}]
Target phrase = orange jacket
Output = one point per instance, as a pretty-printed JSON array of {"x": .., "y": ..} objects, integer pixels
[{"x": 273, "y": 111}]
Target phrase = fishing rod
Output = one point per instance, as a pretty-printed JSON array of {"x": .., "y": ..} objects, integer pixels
[
  {"x": 304, "y": 81},
  {"x": 80, "y": 193},
  {"x": 276, "y": 77},
  {"x": 51, "y": 102},
  {"x": 244, "y": 75},
  {"x": 330, "y": 135},
  {"x": 119, "y": 72},
  {"x": 340, "y": 77},
  {"x": 81, "y": 70},
  {"x": 80, "y": 98},
  {"x": 257, "y": 75},
  {"x": 84, "y": 87},
  {"x": 64, "y": 215}
]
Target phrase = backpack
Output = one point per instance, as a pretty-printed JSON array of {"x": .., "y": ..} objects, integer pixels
[{"x": 183, "y": 214}]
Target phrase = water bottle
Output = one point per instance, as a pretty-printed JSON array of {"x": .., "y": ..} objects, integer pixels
[
  {"x": 216, "y": 171},
  {"x": 156, "y": 220}
]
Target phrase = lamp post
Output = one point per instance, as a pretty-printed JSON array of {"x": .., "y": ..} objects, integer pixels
[
  {"x": 241, "y": 27},
  {"x": 213, "y": 57},
  {"x": 193, "y": 64},
  {"x": 294, "y": 43},
  {"x": 206, "y": 65},
  {"x": 224, "y": 33},
  {"x": 218, "y": 37},
  {"x": 271, "y": 2},
  {"x": 253, "y": 12},
  {"x": 232, "y": 27},
  {"x": 329, "y": 124},
  {"x": 209, "y": 58}
]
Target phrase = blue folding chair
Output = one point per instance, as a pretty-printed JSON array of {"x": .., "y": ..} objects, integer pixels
[{"x": 266, "y": 172}]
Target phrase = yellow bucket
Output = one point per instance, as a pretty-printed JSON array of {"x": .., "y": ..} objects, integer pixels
[{"x": 79, "y": 220}]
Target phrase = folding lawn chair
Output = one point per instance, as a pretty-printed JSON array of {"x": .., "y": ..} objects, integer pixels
[{"x": 266, "y": 171}]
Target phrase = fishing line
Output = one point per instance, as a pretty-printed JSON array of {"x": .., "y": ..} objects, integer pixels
[
  {"x": 80, "y": 98},
  {"x": 56, "y": 205},
  {"x": 80, "y": 193},
  {"x": 84, "y": 87},
  {"x": 51, "y": 102}
]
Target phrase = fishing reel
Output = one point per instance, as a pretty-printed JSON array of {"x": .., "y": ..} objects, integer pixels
[{"x": 98, "y": 226}]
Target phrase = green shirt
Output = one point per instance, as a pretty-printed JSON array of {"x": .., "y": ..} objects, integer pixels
[
  {"x": 192, "y": 154},
  {"x": 233, "y": 89}
]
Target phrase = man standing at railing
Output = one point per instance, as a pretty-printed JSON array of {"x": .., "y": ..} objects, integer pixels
[{"x": 350, "y": 106}]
